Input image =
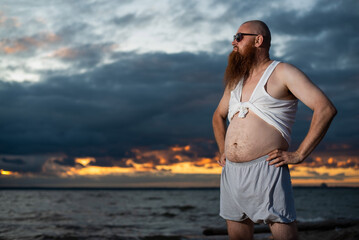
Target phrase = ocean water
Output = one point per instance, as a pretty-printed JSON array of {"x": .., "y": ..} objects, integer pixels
[{"x": 142, "y": 213}]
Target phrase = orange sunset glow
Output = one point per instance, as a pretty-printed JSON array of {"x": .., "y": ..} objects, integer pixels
[{"x": 333, "y": 171}]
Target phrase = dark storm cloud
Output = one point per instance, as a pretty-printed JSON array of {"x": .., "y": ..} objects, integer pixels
[
  {"x": 23, "y": 165},
  {"x": 336, "y": 16},
  {"x": 318, "y": 44},
  {"x": 149, "y": 100},
  {"x": 65, "y": 162},
  {"x": 153, "y": 100},
  {"x": 16, "y": 161}
]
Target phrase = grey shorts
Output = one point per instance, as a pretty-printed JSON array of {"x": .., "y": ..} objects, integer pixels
[{"x": 258, "y": 191}]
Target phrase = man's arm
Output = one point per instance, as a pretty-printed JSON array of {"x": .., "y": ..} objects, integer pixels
[
  {"x": 220, "y": 125},
  {"x": 323, "y": 113}
]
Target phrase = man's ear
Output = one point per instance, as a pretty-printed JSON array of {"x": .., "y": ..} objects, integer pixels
[{"x": 258, "y": 41}]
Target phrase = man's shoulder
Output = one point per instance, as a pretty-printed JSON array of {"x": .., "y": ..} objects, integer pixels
[
  {"x": 284, "y": 66},
  {"x": 286, "y": 70}
]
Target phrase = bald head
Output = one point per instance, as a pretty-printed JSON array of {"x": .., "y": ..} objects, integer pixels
[{"x": 259, "y": 27}]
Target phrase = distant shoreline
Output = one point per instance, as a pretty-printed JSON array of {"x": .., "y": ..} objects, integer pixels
[{"x": 153, "y": 188}]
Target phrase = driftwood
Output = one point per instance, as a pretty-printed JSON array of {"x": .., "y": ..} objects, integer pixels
[{"x": 302, "y": 226}]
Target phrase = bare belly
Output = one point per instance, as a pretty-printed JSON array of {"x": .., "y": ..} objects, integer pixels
[{"x": 251, "y": 137}]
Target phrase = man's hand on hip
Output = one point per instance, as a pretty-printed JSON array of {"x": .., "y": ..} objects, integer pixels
[
  {"x": 280, "y": 157},
  {"x": 222, "y": 160}
]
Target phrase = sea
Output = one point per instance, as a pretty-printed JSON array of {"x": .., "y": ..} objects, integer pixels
[{"x": 143, "y": 213}]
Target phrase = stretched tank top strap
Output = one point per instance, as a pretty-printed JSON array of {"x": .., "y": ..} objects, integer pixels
[{"x": 267, "y": 73}]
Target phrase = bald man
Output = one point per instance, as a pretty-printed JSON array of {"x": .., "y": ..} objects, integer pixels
[{"x": 260, "y": 101}]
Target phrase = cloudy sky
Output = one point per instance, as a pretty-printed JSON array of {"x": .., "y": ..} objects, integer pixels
[{"x": 121, "y": 93}]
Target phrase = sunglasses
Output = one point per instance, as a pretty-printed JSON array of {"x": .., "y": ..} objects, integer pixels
[{"x": 239, "y": 36}]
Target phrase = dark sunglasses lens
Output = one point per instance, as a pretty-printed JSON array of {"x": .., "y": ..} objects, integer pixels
[{"x": 238, "y": 37}]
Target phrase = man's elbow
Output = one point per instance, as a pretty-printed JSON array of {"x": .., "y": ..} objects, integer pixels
[
  {"x": 334, "y": 111},
  {"x": 326, "y": 111},
  {"x": 331, "y": 111}
]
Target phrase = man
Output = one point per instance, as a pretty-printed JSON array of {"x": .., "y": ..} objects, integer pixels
[{"x": 260, "y": 101}]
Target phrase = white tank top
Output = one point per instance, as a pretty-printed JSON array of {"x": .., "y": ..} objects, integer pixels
[{"x": 278, "y": 113}]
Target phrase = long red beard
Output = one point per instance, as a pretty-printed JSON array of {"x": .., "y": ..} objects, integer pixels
[{"x": 239, "y": 65}]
